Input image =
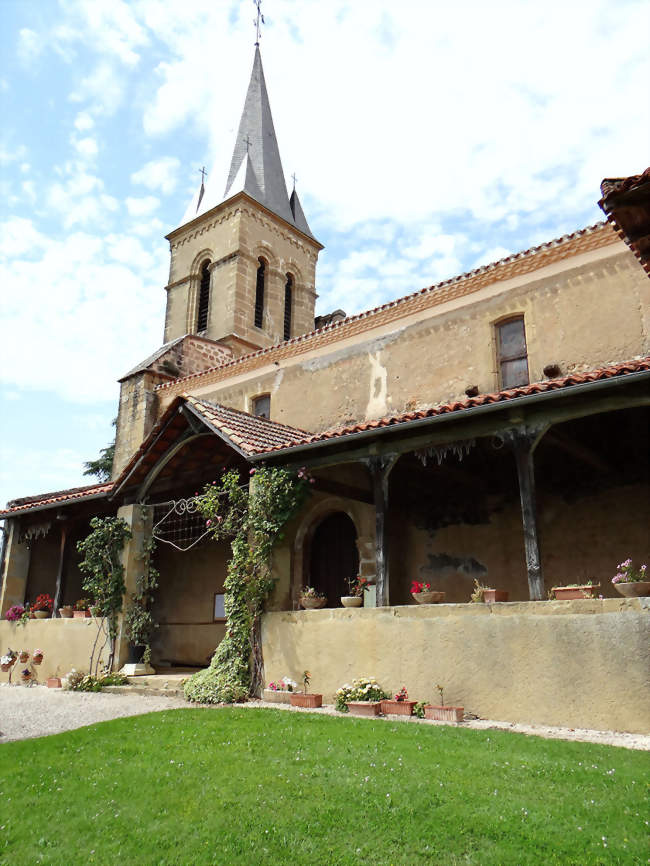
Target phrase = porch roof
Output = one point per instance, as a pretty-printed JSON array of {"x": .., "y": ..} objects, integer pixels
[{"x": 51, "y": 500}]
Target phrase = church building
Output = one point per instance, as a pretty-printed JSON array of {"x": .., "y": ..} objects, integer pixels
[{"x": 492, "y": 427}]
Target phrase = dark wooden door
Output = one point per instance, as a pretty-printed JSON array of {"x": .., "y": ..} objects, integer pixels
[{"x": 333, "y": 557}]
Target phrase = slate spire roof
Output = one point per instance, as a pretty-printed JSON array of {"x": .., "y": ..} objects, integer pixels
[{"x": 255, "y": 167}]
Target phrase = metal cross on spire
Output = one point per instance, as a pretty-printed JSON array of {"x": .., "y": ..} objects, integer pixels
[
  {"x": 202, "y": 190},
  {"x": 294, "y": 179},
  {"x": 203, "y": 174},
  {"x": 258, "y": 20},
  {"x": 247, "y": 142}
]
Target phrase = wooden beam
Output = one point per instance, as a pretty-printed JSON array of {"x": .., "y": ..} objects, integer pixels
[
  {"x": 579, "y": 451},
  {"x": 523, "y": 446},
  {"x": 60, "y": 577},
  {"x": 346, "y": 491},
  {"x": 380, "y": 469}
]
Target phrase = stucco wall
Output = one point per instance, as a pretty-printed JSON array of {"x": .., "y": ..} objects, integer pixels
[
  {"x": 577, "y": 664},
  {"x": 66, "y": 644}
]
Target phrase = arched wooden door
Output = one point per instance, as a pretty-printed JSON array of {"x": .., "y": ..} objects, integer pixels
[{"x": 333, "y": 557}]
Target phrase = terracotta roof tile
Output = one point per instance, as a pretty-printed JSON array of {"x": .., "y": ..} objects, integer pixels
[
  {"x": 626, "y": 202},
  {"x": 60, "y": 497},
  {"x": 563, "y": 382}
]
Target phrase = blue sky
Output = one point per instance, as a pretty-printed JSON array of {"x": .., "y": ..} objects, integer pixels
[{"x": 427, "y": 138}]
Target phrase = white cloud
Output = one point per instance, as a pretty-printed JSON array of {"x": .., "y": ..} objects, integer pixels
[
  {"x": 86, "y": 147},
  {"x": 104, "y": 89},
  {"x": 29, "y": 45},
  {"x": 83, "y": 121},
  {"x": 142, "y": 206},
  {"x": 159, "y": 174}
]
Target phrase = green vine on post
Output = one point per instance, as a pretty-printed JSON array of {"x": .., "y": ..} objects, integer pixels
[
  {"x": 104, "y": 578},
  {"x": 252, "y": 519},
  {"x": 139, "y": 624}
]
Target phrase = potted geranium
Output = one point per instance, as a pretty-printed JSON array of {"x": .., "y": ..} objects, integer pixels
[
  {"x": 362, "y": 698},
  {"x": 23, "y": 657},
  {"x": 42, "y": 607},
  {"x": 279, "y": 691},
  {"x": 630, "y": 582},
  {"x": 400, "y": 706},
  {"x": 18, "y": 613},
  {"x": 37, "y": 656},
  {"x": 305, "y": 699},
  {"x": 423, "y": 593},
  {"x": 26, "y": 675},
  {"x": 442, "y": 712},
  {"x": 81, "y": 609},
  {"x": 570, "y": 591},
  {"x": 357, "y": 586},
  {"x": 312, "y": 599},
  {"x": 7, "y": 661}
]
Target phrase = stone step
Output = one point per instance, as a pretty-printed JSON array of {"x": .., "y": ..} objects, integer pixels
[{"x": 146, "y": 690}]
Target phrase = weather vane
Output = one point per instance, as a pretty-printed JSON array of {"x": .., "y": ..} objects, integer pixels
[{"x": 259, "y": 20}]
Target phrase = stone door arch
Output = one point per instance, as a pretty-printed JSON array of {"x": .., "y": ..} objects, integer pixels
[{"x": 332, "y": 556}]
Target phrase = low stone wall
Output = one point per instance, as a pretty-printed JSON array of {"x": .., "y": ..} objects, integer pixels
[
  {"x": 66, "y": 644},
  {"x": 572, "y": 663}
]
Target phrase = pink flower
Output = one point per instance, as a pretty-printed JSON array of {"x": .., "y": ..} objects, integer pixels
[
  {"x": 208, "y": 522},
  {"x": 252, "y": 472},
  {"x": 219, "y": 518}
]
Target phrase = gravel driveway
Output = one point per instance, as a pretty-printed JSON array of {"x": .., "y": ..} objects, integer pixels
[{"x": 38, "y": 711}]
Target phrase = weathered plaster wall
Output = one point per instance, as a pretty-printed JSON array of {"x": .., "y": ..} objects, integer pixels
[
  {"x": 577, "y": 664},
  {"x": 66, "y": 643},
  {"x": 579, "y": 314},
  {"x": 583, "y": 540}
]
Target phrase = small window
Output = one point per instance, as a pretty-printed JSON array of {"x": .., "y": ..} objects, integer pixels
[
  {"x": 259, "y": 294},
  {"x": 219, "y": 606},
  {"x": 204, "y": 298},
  {"x": 512, "y": 353},
  {"x": 288, "y": 301},
  {"x": 262, "y": 406}
]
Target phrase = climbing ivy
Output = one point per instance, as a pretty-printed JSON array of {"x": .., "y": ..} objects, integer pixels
[
  {"x": 252, "y": 517},
  {"x": 139, "y": 624}
]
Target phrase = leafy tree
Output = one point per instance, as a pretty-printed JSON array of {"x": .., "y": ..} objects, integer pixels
[{"x": 102, "y": 468}]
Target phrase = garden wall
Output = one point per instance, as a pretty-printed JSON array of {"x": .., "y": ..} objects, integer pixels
[
  {"x": 572, "y": 663},
  {"x": 66, "y": 644}
]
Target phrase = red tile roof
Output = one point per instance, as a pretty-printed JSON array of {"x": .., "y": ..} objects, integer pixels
[
  {"x": 626, "y": 202},
  {"x": 60, "y": 497},
  {"x": 523, "y": 262},
  {"x": 563, "y": 382},
  {"x": 612, "y": 185},
  {"x": 249, "y": 432}
]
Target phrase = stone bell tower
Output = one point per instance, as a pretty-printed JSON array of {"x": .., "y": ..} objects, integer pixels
[{"x": 243, "y": 264}]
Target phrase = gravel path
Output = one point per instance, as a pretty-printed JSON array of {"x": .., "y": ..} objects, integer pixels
[{"x": 38, "y": 711}]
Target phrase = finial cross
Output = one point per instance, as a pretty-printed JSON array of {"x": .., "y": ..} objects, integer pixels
[
  {"x": 247, "y": 142},
  {"x": 294, "y": 178},
  {"x": 203, "y": 174},
  {"x": 258, "y": 20}
]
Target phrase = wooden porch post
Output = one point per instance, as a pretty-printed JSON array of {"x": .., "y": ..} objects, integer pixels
[
  {"x": 380, "y": 469},
  {"x": 60, "y": 586},
  {"x": 524, "y": 443}
]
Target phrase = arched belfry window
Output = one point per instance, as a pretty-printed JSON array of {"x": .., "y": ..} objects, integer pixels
[
  {"x": 204, "y": 297},
  {"x": 288, "y": 301},
  {"x": 259, "y": 293}
]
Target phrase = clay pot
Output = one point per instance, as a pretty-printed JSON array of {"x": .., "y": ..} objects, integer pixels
[
  {"x": 42, "y": 614},
  {"x": 54, "y": 683},
  {"x": 23, "y": 658},
  {"x": 634, "y": 589},
  {"x": 351, "y": 601},
  {"x": 6, "y": 668},
  {"x": 567, "y": 593},
  {"x": 492, "y": 595},
  {"x": 277, "y": 696},
  {"x": 37, "y": 659},
  {"x": 308, "y": 701},
  {"x": 444, "y": 714},
  {"x": 66, "y": 611},
  {"x": 81, "y": 614},
  {"x": 428, "y": 597},
  {"x": 312, "y": 603},
  {"x": 364, "y": 708},
  {"x": 397, "y": 708}
]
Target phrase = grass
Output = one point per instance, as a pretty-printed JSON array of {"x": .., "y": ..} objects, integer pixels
[{"x": 238, "y": 786}]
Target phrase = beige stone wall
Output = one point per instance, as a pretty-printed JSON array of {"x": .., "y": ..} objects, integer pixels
[
  {"x": 233, "y": 236},
  {"x": 136, "y": 416},
  {"x": 576, "y": 664},
  {"x": 581, "y": 313},
  {"x": 66, "y": 644}
]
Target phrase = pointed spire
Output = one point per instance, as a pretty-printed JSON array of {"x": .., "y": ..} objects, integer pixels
[{"x": 255, "y": 167}]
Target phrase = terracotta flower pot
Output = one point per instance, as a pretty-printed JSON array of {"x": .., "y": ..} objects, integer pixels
[
  {"x": 397, "y": 708},
  {"x": 567, "y": 593},
  {"x": 428, "y": 597},
  {"x": 42, "y": 614},
  {"x": 66, "y": 612},
  {"x": 23, "y": 658},
  {"x": 54, "y": 683},
  {"x": 308, "y": 701},
  {"x": 492, "y": 595},
  {"x": 37, "y": 659},
  {"x": 444, "y": 714},
  {"x": 634, "y": 589},
  {"x": 26, "y": 677},
  {"x": 7, "y": 667},
  {"x": 351, "y": 601},
  {"x": 364, "y": 708},
  {"x": 312, "y": 603},
  {"x": 81, "y": 614}
]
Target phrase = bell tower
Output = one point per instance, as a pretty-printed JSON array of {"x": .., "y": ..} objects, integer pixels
[{"x": 243, "y": 263}]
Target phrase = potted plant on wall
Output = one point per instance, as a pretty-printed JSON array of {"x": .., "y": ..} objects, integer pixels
[
  {"x": 630, "y": 582},
  {"x": 279, "y": 691},
  {"x": 570, "y": 591},
  {"x": 66, "y": 612},
  {"x": 81, "y": 609},
  {"x": 312, "y": 599},
  {"x": 362, "y": 698},
  {"x": 487, "y": 595},
  {"x": 400, "y": 706},
  {"x": 42, "y": 607},
  {"x": 423, "y": 593},
  {"x": 357, "y": 586},
  {"x": 442, "y": 712},
  {"x": 306, "y": 699}
]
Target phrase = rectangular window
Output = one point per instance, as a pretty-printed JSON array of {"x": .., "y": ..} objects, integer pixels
[
  {"x": 262, "y": 406},
  {"x": 219, "y": 606},
  {"x": 512, "y": 355}
]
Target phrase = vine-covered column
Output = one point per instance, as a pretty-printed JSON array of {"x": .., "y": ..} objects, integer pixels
[{"x": 138, "y": 518}]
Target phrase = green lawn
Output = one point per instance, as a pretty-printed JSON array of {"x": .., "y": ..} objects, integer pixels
[{"x": 237, "y": 786}]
